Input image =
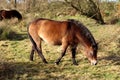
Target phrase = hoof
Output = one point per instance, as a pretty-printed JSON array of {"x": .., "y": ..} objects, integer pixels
[
  {"x": 75, "y": 63},
  {"x": 31, "y": 59},
  {"x": 45, "y": 61},
  {"x": 57, "y": 63}
]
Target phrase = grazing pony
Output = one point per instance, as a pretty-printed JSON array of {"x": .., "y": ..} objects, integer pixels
[
  {"x": 64, "y": 33},
  {"x": 4, "y": 14}
]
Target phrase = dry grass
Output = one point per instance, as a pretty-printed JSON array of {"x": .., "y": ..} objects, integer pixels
[{"x": 15, "y": 64}]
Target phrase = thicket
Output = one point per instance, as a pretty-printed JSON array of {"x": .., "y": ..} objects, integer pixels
[
  {"x": 32, "y": 9},
  {"x": 54, "y": 8}
]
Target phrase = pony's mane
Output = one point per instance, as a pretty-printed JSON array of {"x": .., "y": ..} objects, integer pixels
[
  {"x": 46, "y": 19},
  {"x": 85, "y": 31}
]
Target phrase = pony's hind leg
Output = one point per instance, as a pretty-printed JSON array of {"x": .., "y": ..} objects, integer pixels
[
  {"x": 32, "y": 53},
  {"x": 41, "y": 55},
  {"x": 39, "y": 50},
  {"x": 37, "y": 45},
  {"x": 64, "y": 48},
  {"x": 73, "y": 50}
]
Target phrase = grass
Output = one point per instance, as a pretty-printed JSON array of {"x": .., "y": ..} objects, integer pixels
[{"x": 15, "y": 63}]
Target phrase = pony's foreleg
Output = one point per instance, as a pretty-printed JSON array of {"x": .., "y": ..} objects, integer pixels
[
  {"x": 73, "y": 50},
  {"x": 64, "y": 48},
  {"x": 32, "y": 53}
]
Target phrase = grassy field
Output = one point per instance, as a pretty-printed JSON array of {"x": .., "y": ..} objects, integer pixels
[{"x": 15, "y": 63}]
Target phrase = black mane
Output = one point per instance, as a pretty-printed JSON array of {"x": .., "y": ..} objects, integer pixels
[{"x": 85, "y": 31}]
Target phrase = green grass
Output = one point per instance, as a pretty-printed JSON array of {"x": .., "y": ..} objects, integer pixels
[{"x": 15, "y": 63}]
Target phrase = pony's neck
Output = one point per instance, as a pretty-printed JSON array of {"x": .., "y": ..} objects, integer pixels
[
  {"x": 86, "y": 44},
  {"x": 84, "y": 41}
]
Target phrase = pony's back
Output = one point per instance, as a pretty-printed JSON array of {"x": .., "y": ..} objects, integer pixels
[
  {"x": 15, "y": 13},
  {"x": 49, "y": 31}
]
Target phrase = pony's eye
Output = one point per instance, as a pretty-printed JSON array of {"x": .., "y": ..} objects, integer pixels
[{"x": 91, "y": 52}]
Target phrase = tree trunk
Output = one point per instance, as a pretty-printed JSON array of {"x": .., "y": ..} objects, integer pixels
[
  {"x": 15, "y": 5},
  {"x": 87, "y": 8}
]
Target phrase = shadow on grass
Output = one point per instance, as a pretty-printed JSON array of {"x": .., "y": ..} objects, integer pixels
[
  {"x": 18, "y": 37},
  {"x": 115, "y": 59},
  {"x": 15, "y": 36},
  {"x": 28, "y": 70}
]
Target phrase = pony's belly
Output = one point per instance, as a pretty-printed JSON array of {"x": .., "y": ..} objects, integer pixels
[{"x": 51, "y": 40}]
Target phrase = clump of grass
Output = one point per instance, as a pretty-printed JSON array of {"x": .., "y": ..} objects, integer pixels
[
  {"x": 6, "y": 33},
  {"x": 115, "y": 20},
  {"x": 5, "y": 71}
]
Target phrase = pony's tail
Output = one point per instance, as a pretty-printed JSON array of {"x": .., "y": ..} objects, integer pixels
[{"x": 31, "y": 39}]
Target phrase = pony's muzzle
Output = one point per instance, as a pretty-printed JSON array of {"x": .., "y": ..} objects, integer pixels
[{"x": 94, "y": 62}]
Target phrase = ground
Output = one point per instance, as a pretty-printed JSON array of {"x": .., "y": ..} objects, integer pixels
[{"x": 15, "y": 63}]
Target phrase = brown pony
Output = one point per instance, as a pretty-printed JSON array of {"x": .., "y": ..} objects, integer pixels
[
  {"x": 4, "y": 14},
  {"x": 64, "y": 33}
]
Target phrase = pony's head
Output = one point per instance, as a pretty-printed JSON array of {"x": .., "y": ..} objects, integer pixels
[
  {"x": 91, "y": 53},
  {"x": 88, "y": 41}
]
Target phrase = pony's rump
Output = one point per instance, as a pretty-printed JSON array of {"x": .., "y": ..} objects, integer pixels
[{"x": 8, "y": 14}]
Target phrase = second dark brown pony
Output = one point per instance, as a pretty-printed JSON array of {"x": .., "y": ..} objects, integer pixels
[
  {"x": 64, "y": 33},
  {"x": 4, "y": 14}
]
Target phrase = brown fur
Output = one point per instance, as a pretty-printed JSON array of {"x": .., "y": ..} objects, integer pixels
[
  {"x": 4, "y": 14},
  {"x": 64, "y": 33}
]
